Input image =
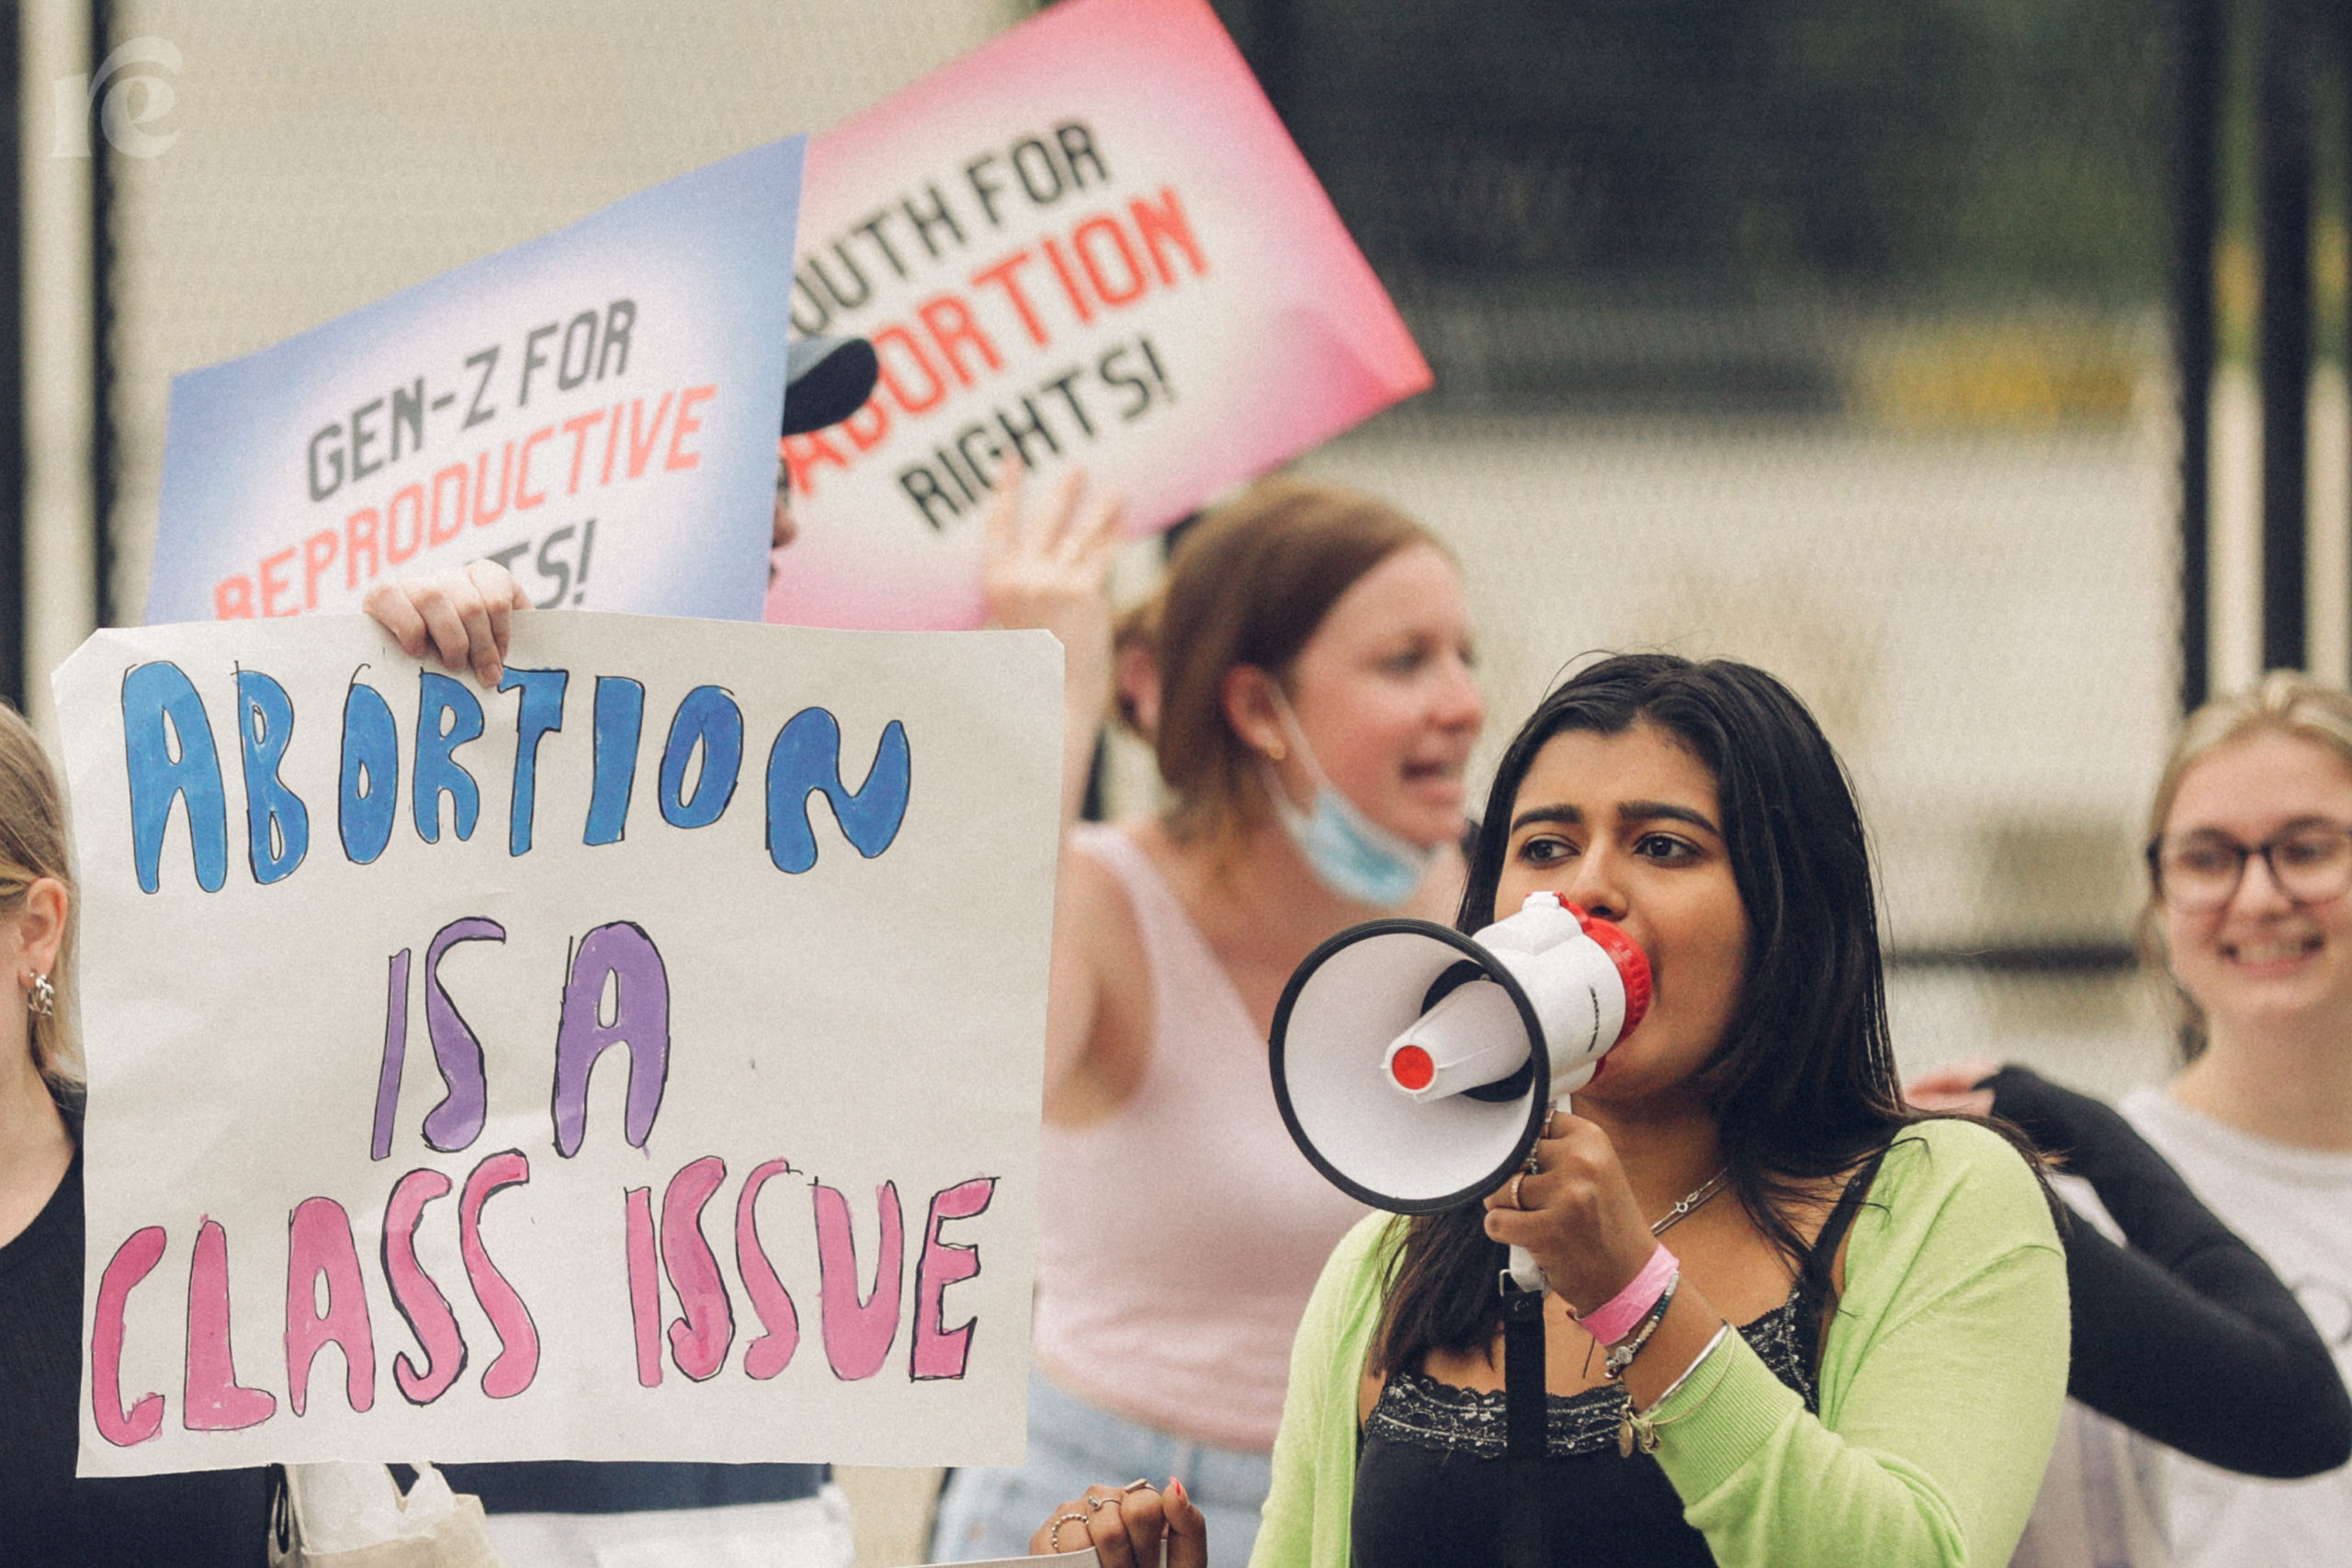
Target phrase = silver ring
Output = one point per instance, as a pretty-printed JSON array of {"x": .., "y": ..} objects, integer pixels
[
  {"x": 1514, "y": 1189},
  {"x": 1053, "y": 1535},
  {"x": 1094, "y": 1502}
]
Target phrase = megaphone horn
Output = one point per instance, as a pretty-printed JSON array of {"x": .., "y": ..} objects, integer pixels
[{"x": 1415, "y": 1067}]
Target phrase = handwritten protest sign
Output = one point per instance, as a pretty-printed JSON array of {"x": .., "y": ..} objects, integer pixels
[
  {"x": 596, "y": 408},
  {"x": 640, "y": 1061},
  {"x": 1090, "y": 241}
]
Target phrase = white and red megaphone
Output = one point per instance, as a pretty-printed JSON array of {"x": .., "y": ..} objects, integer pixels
[{"x": 1416, "y": 1066}]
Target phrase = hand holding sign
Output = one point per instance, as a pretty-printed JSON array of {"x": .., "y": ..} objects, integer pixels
[
  {"x": 464, "y": 615},
  {"x": 594, "y": 409}
]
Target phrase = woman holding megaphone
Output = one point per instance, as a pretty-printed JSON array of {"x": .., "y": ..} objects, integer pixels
[{"x": 1852, "y": 1345}]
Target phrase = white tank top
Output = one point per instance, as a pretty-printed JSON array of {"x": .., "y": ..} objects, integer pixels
[{"x": 1179, "y": 1238}]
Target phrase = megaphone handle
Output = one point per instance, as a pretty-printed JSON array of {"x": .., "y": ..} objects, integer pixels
[{"x": 1523, "y": 1270}]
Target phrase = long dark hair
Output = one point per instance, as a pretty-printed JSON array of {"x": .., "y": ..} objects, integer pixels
[{"x": 1803, "y": 1084}]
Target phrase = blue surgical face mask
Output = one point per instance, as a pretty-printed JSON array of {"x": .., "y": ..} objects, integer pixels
[{"x": 1350, "y": 854}]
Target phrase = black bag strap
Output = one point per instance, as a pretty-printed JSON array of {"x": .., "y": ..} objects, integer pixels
[
  {"x": 1817, "y": 1278},
  {"x": 1524, "y": 1402}
]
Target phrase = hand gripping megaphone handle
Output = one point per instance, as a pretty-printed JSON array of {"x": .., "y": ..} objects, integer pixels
[{"x": 1524, "y": 1272}]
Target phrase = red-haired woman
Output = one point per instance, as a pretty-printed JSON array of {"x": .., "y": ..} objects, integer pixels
[{"x": 1310, "y": 703}]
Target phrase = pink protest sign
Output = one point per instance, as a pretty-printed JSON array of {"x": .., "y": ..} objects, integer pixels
[{"x": 1090, "y": 241}]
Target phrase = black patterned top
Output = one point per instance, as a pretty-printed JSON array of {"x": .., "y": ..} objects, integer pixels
[
  {"x": 1436, "y": 1486},
  {"x": 206, "y": 1518},
  {"x": 1420, "y": 1411}
]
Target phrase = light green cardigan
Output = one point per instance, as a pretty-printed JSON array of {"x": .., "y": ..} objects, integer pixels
[{"x": 1941, "y": 1382}]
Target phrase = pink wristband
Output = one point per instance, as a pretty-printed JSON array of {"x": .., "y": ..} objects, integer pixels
[{"x": 1615, "y": 1318}]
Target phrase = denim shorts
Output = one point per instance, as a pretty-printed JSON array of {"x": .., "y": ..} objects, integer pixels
[{"x": 1073, "y": 1445}]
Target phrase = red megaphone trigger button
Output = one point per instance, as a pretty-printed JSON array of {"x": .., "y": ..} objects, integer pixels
[
  {"x": 1632, "y": 965},
  {"x": 1412, "y": 1068}
]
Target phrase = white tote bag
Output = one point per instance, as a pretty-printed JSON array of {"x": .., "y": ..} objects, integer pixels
[{"x": 353, "y": 1516}]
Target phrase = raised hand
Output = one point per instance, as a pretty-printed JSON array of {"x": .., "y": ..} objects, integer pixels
[
  {"x": 1576, "y": 1212},
  {"x": 1051, "y": 568}
]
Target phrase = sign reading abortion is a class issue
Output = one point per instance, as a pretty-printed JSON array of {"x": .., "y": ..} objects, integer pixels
[
  {"x": 1089, "y": 241},
  {"x": 638, "y": 1061},
  {"x": 597, "y": 408}
]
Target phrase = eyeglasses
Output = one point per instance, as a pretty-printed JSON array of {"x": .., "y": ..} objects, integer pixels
[{"x": 2200, "y": 872}]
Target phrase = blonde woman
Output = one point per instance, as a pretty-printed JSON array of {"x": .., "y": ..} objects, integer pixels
[
  {"x": 2250, "y": 866},
  {"x": 47, "y": 1516}
]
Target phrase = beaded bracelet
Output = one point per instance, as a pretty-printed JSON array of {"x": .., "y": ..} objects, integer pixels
[{"x": 1622, "y": 1354}]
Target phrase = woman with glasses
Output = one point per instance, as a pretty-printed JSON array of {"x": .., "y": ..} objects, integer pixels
[{"x": 2250, "y": 860}]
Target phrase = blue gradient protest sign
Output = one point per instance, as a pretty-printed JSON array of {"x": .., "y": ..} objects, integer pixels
[{"x": 596, "y": 408}]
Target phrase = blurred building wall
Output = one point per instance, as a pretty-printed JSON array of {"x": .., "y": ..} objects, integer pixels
[{"x": 323, "y": 156}]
